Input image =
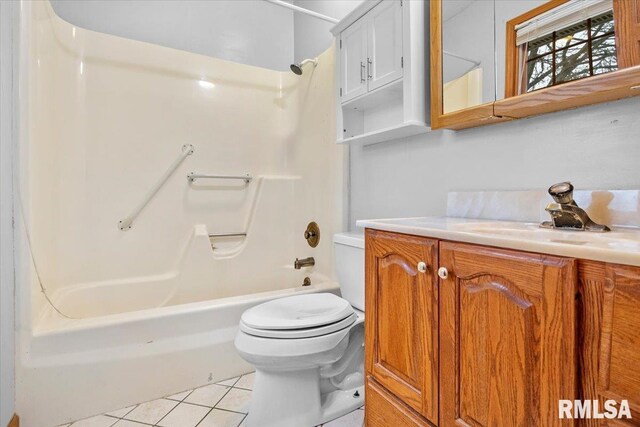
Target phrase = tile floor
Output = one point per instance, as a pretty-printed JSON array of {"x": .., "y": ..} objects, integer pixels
[{"x": 224, "y": 404}]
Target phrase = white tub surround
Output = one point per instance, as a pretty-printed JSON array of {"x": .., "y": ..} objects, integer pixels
[{"x": 102, "y": 117}]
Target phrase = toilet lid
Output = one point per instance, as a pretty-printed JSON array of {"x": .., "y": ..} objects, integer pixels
[
  {"x": 298, "y": 312},
  {"x": 300, "y": 333}
]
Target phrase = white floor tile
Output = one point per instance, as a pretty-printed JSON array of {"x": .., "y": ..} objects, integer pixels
[
  {"x": 127, "y": 423},
  {"x": 179, "y": 396},
  {"x": 207, "y": 395},
  {"x": 218, "y": 418},
  {"x": 352, "y": 419},
  {"x": 184, "y": 415},
  {"x": 98, "y": 421},
  {"x": 151, "y": 412},
  {"x": 229, "y": 382},
  {"x": 121, "y": 412},
  {"x": 246, "y": 381},
  {"x": 236, "y": 400}
]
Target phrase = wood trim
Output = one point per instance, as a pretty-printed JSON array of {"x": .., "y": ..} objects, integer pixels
[
  {"x": 469, "y": 117},
  {"x": 512, "y": 66},
  {"x": 15, "y": 421},
  {"x": 435, "y": 52},
  {"x": 592, "y": 90},
  {"x": 626, "y": 15}
]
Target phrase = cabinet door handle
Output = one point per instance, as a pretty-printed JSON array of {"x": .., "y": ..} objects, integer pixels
[
  {"x": 422, "y": 266},
  {"x": 443, "y": 273},
  {"x": 369, "y": 65},
  {"x": 362, "y": 79}
]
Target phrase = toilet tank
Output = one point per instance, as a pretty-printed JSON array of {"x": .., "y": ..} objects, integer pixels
[{"x": 349, "y": 257}]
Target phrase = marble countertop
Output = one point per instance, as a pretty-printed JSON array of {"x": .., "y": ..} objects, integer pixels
[{"x": 621, "y": 245}]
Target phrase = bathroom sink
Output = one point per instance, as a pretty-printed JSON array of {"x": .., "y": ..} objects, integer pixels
[{"x": 532, "y": 231}]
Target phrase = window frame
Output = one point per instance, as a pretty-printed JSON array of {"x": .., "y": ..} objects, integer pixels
[
  {"x": 512, "y": 58},
  {"x": 524, "y": 59}
]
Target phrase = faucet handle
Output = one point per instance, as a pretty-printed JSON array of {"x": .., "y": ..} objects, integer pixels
[{"x": 562, "y": 193}]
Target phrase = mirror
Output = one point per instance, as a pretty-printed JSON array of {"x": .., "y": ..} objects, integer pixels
[
  {"x": 496, "y": 60},
  {"x": 468, "y": 54}
]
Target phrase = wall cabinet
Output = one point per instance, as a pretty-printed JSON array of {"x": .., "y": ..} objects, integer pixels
[
  {"x": 384, "y": 44},
  {"x": 371, "y": 51},
  {"x": 460, "y": 334},
  {"x": 382, "y": 72},
  {"x": 353, "y": 61}
]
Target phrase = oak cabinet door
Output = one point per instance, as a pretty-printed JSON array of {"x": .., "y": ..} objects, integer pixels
[
  {"x": 401, "y": 301},
  {"x": 507, "y": 337},
  {"x": 619, "y": 370}
]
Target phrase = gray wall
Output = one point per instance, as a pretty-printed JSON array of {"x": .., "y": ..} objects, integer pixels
[
  {"x": 312, "y": 35},
  {"x": 7, "y": 293},
  {"x": 594, "y": 147},
  {"x": 249, "y": 32}
]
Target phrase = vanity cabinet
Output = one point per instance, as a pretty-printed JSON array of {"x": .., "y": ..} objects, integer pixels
[
  {"x": 402, "y": 318},
  {"x": 507, "y": 345},
  {"x": 459, "y": 334},
  {"x": 610, "y": 333}
]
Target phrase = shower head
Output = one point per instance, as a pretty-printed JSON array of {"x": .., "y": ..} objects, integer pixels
[{"x": 298, "y": 68}]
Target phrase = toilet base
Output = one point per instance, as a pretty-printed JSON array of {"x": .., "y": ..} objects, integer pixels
[{"x": 294, "y": 399}]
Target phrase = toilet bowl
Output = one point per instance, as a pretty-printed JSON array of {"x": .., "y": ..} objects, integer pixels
[{"x": 308, "y": 350}]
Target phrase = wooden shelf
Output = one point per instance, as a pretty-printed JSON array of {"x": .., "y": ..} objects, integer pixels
[{"x": 394, "y": 132}]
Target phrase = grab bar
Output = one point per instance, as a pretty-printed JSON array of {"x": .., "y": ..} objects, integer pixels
[
  {"x": 192, "y": 176},
  {"x": 127, "y": 222},
  {"x": 211, "y": 236}
]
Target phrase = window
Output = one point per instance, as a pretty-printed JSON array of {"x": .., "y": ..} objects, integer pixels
[{"x": 581, "y": 50}]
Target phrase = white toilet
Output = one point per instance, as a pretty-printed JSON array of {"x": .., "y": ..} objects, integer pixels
[{"x": 308, "y": 350}]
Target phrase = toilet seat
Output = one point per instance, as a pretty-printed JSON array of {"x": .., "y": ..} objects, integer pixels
[
  {"x": 300, "y": 333},
  {"x": 297, "y": 312}
]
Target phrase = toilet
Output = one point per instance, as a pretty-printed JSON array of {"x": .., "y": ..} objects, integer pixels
[{"x": 308, "y": 350}]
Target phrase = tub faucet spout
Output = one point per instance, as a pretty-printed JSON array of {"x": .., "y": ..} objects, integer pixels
[{"x": 304, "y": 262}]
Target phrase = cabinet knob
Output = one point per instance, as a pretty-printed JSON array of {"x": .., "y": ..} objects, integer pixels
[
  {"x": 422, "y": 266},
  {"x": 443, "y": 273}
]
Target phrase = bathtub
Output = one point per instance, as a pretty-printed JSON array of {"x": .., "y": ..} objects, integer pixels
[{"x": 112, "y": 361}]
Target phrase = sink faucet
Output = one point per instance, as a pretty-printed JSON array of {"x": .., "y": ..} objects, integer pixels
[
  {"x": 565, "y": 212},
  {"x": 304, "y": 262}
]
